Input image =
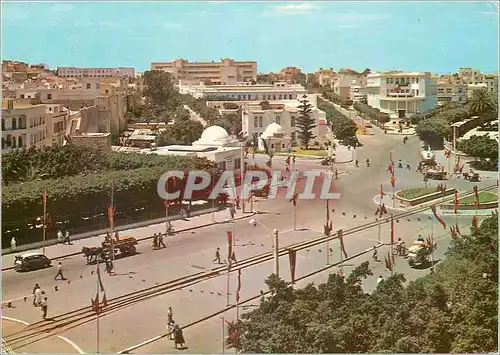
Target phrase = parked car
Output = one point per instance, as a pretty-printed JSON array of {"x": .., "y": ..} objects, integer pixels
[{"x": 31, "y": 261}]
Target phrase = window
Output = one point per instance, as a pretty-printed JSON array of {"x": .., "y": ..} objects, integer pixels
[
  {"x": 249, "y": 97},
  {"x": 14, "y": 142},
  {"x": 222, "y": 166},
  {"x": 22, "y": 96},
  {"x": 274, "y": 97},
  {"x": 278, "y": 120},
  {"x": 391, "y": 80},
  {"x": 294, "y": 136},
  {"x": 20, "y": 142},
  {"x": 261, "y": 124},
  {"x": 282, "y": 145},
  {"x": 416, "y": 80},
  {"x": 106, "y": 91},
  {"x": 255, "y": 121},
  {"x": 50, "y": 109},
  {"x": 88, "y": 86},
  {"x": 3, "y": 124},
  {"x": 280, "y": 97},
  {"x": 417, "y": 92},
  {"x": 14, "y": 124},
  {"x": 290, "y": 97},
  {"x": 272, "y": 145},
  {"x": 239, "y": 97},
  {"x": 292, "y": 121},
  {"x": 237, "y": 164},
  {"x": 387, "y": 80}
]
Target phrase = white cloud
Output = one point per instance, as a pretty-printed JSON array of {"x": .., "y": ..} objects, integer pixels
[
  {"x": 61, "y": 7},
  {"x": 291, "y": 9}
]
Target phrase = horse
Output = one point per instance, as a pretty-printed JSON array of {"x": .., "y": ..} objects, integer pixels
[{"x": 95, "y": 253}]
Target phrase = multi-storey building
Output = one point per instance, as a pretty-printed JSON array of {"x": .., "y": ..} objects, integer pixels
[
  {"x": 73, "y": 72},
  {"x": 325, "y": 76},
  {"x": 343, "y": 81},
  {"x": 225, "y": 72},
  {"x": 256, "y": 119},
  {"x": 245, "y": 91},
  {"x": 289, "y": 73},
  {"x": 401, "y": 94},
  {"x": 57, "y": 118},
  {"x": 451, "y": 89},
  {"x": 476, "y": 80},
  {"x": 23, "y": 124},
  {"x": 357, "y": 94}
]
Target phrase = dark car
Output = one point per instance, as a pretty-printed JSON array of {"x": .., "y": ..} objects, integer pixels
[{"x": 31, "y": 261}]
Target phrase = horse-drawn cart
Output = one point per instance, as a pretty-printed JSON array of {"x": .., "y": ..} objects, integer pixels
[
  {"x": 125, "y": 245},
  {"x": 471, "y": 176}
]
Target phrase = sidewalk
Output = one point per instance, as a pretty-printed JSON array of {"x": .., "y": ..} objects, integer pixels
[{"x": 56, "y": 251}]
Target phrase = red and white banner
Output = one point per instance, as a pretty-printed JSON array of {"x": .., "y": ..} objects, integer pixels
[
  {"x": 342, "y": 246},
  {"x": 443, "y": 223},
  {"x": 229, "y": 246},
  {"x": 392, "y": 229},
  {"x": 476, "y": 194},
  {"x": 111, "y": 217},
  {"x": 455, "y": 202},
  {"x": 292, "y": 258},
  {"x": 239, "y": 286}
]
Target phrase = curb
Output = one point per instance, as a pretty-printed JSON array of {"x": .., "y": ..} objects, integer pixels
[
  {"x": 66, "y": 340},
  {"x": 146, "y": 238}
]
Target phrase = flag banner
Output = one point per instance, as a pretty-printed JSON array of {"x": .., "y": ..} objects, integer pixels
[
  {"x": 104, "y": 301},
  {"x": 381, "y": 191},
  {"x": 95, "y": 303},
  {"x": 474, "y": 222},
  {"x": 287, "y": 161},
  {"x": 269, "y": 163},
  {"x": 392, "y": 229},
  {"x": 457, "y": 229},
  {"x": 229, "y": 245},
  {"x": 101, "y": 286},
  {"x": 390, "y": 168},
  {"x": 239, "y": 286},
  {"x": 383, "y": 209},
  {"x": 443, "y": 223},
  {"x": 111, "y": 214},
  {"x": 292, "y": 258},
  {"x": 392, "y": 180},
  {"x": 341, "y": 239},
  {"x": 377, "y": 212},
  {"x": 294, "y": 199},
  {"x": 452, "y": 231},
  {"x": 476, "y": 194},
  {"x": 455, "y": 202}
]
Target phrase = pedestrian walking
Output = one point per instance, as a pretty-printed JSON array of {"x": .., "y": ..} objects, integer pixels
[
  {"x": 357, "y": 163},
  {"x": 217, "y": 256},
  {"x": 170, "y": 331},
  {"x": 155, "y": 241},
  {"x": 37, "y": 295},
  {"x": 238, "y": 202},
  {"x": 375, "y": 254},
  {"x": 160, "y": 241},
  {"x": 408, "y": 165},
  {"x": 233, "y": 258},
  {"x": 178, "y": 337},
  {"x": 59, "y": 236},
  {"x": 170, "y": 315},
  {"x": 336, "y": 174},
  {"x": 380, "y": 279},
  {"x": 43, "y": 305},
  {"x": 59, "y": 272},
  {"x": 66, "y": 238},
  {"x": 13, "y": 244}
]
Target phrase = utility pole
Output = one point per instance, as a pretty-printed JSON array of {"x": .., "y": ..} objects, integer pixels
[
  {"x": 276, "y": 254},
  {"x": 44, "y": 219},
  {"x": 454, "y": 145}
]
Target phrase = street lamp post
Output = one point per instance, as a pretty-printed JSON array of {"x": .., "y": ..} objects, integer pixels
[{"x": 276, "y": 254}]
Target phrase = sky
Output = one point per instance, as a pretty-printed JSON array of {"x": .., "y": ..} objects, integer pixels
[{"x": 411, "y": 36}]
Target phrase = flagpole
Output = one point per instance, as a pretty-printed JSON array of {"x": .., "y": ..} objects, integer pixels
[
  {"x": 341, "y": 252},
  {"x": 295, "y": 216},
  {"x": 223, "y": 334},
  {"x": 432, "y": 244},
  {"x": 328, "y": 235},
  {"x": 112, "y": 223},
  {"x": 242, "y": 172},
  {"x": 97, "y": 307},
  {"x": 227, "y": 286},
  {"x": 213, "y": 186},
  {"x": 44, "y": 219}
]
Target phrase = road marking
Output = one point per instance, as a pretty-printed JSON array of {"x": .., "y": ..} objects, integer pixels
[{"x": 69, "y": 342}]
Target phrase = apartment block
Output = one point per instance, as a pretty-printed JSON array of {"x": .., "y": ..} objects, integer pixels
[
  {"x": 23, "y": 124},
  {"x": 74, "y": 72},
  {"x": 225, "y": 72},
  {"x": 401, "y": 94},
  {"x": 450, "y": 90},
  {"x": 343, "y": 81},
  {"x": 325, "y": 76}
]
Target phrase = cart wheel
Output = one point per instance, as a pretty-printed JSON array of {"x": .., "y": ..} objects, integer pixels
[
  {"x": 132, "y": 249},
  {"x": 123, "y": 251}
]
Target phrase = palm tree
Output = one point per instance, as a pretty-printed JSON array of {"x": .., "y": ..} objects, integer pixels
[{"x": 481, "y": 102}]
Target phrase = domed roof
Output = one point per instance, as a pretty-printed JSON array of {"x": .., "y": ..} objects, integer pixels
[
  {"x": 273, "y": 128},
  {"x": 214, "y": 133}
]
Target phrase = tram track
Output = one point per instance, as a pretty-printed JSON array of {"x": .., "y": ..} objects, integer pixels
[{"x": 43, "y": 329}]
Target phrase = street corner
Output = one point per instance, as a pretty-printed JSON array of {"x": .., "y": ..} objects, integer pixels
[{"x": 11, "y": 327}]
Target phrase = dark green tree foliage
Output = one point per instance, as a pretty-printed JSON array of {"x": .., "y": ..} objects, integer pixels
[
  {"x": 432, "y": 131},
  {"x": 342, "y": 127},
  {"x": 372, "y": 113},
  {"x": 305, "y": 122},
  {"x": 184, "y": 131},
  {"x": 482, "y": 102},
  {"x": 452, "y": 310},
  {"x": 160, "y": 91},
  {"x": 483, "y": 148}
]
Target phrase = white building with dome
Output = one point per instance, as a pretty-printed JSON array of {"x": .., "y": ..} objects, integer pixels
[
  {"x": 276, "y": 138},
  {"x": 256, "y": 120},
  {"x": 215, "y": 144}
]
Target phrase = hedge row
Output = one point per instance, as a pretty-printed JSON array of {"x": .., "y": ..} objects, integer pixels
[{"x": 373, "y": 113}]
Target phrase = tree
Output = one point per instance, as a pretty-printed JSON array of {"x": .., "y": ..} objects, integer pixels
[
  {"x": 183, "y": 131},
  {"x": 160, "y": 90},
  {"x": 483, "y": 148},
  {"x": 481, "y": 102},
  {"x": 432, "y": 131},
  {"x": 305, "y": 122}
]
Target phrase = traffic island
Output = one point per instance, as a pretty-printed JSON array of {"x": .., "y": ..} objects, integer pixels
[
  {"x": 487, "y": 200},
  {"x": 417, "y": 196}
]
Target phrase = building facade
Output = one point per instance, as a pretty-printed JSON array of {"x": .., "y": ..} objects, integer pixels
[
  {"x": 450, "y": 92},
  {"x": 23, "y": 124},
  {"x": 401, "y": 94},
  {"x": 255, "y": 121},
  {"x": 74, "y": 72},
  {"x": 226, "y": 72},
  {"x": 245, "y": 92}
]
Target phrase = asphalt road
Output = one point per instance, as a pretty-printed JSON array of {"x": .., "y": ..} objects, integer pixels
[{"x": 190, "y": 252}]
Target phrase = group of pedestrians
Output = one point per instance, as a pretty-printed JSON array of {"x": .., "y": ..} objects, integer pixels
[
  {"x": 64, "y": 239},
  {"x": 40, "y": 300},
  {"x": 174, "y": 331},
  {"x": 158, "y": 241}
]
